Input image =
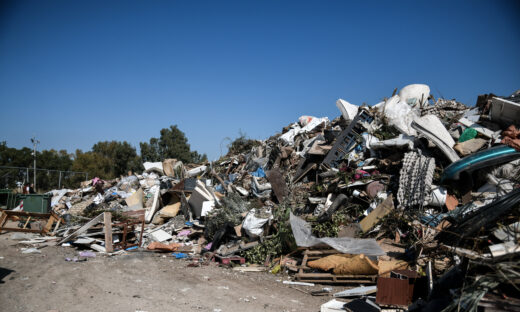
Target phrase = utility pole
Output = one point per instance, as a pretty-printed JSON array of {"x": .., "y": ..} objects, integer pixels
[{"x": 34, "y": 142}]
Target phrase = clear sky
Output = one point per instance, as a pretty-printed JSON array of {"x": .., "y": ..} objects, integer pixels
[{"x": 77, "y": 72}]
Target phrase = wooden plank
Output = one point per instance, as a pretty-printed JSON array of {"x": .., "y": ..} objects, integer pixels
[
  {"x": 27, "y": 214},
  {"x": 3, "y": 219},
  {"x": 108, "y": 231},
  {"x": 49, "y": 224},
  {"x": 56, "y": 227},
  {"x": 278, "y": 183},
  {"x": 19, "y": 230},
  {"x": 377, "y": 214},
  {"x": 83, "y": 229},
  {"x": 151, "y": 211},
  {"x": 310, "y": 166},
  {"x": 3, "y": 215},
  {"x": 27, "y": 222}
]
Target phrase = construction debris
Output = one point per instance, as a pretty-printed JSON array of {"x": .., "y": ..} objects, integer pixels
[{"x": 417, "y": 198}]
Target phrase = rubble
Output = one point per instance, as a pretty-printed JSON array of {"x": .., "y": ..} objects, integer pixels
[{"x": 416, "y": 196}]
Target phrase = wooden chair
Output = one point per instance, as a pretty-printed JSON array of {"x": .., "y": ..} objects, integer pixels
[{"x": 135, "y": 218}]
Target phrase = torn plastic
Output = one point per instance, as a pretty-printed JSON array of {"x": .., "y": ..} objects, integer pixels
[
  {"x": 402, "y": 140},
  {"x": 57, "y": 195},
  {"x": 288, "y": 137},
  {"x": 153, "y": 166},
  {"x": 400, "y": 114},
  {"x": 303, "y": 235}
]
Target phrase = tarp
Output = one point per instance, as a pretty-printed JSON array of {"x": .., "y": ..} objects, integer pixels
[{"x": 303, "y": 235}]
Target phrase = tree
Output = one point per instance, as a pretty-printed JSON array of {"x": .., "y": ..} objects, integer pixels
[
  {"x": 95, "y": 164},
  {"x": 171, "y": 144},
  {"x": 53, "y": 160},
  {"x": 122, "y": 155},
  {"x": 242, "y": 144}
]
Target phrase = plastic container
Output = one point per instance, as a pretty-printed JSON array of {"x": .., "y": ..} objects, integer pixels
[
  {"x": 7, "y": 199},
  {"x": 36, "y": 202}
]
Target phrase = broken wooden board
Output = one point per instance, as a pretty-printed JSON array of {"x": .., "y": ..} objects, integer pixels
[
  {"x": 278, "y": 183},
  {"x": 299, "y": 175},
  {"x": 50, "y": 217},
  {"x": 107, "y": 216},
  {"x": 151, "y": 210},
  {"x": 83, "y": 229},
  {"x": 319, "y": 149},
  {"x": 377, "y": 214}
]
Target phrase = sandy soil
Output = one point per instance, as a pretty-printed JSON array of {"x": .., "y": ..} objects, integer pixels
[{"x": 138, "y": 281}]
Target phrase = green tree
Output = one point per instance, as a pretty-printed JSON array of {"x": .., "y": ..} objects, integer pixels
[
  {"x": 95, "y": 164},
  {"x": 122, "y": 155},
  {"x": 53, "y": 160},
  {"x": 242, "y": 144},
  {"x": 171, "y": 144}
]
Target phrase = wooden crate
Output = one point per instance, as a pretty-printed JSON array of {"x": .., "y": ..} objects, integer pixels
[{"x": 304, "y": 274}]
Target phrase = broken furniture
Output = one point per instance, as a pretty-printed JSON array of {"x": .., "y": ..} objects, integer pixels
[
  {"x": 135, "y": 218},
  {"x": 27, "y": 217}
]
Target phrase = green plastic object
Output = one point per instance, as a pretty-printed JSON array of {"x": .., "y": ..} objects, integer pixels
[
  {"x": 468, "y": 134},
  {"x": 7, "y": 199},
  {"x": 35, "y": 202}
]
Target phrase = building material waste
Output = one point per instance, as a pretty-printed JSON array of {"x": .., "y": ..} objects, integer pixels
[{"x": 416, "y": 201}]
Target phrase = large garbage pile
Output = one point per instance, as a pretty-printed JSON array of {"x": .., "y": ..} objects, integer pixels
[{"x": 414, "y": 193}]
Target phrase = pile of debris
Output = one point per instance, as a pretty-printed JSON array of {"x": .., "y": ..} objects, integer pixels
[{"x": 417, "y": 196}]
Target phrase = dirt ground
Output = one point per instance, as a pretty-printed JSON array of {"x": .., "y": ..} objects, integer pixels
[{"x": 139, "y": 281}]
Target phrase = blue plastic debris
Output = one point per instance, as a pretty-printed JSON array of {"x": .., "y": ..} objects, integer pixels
[
  {"x": 131, "y": 248},
  {"x": 259, "y": 173},
  {"x": 219, "y": 188},
  {"x": 179, "y": 255},
  {"x": 188, "y": 223}
]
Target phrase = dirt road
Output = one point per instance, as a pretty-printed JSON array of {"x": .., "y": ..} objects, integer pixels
[{"x": 136, "y": 282}]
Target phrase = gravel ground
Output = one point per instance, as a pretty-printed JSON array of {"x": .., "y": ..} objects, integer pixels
[{"x": 140, "y": 281}]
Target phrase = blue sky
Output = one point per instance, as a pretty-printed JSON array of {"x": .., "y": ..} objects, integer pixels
[{"x": 77, "y": 72}]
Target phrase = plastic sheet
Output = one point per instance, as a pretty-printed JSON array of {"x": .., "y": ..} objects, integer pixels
[
  {"x": 288, "y": 137},
  {"x": 153, "y": 166},
  {"x": 400, "y": 114},
  {"x": 303, "y": 235},
  {"x": 57, "y": 195}
]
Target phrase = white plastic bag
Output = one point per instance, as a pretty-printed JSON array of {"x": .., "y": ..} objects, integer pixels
[{"x": 254, "y": 226}]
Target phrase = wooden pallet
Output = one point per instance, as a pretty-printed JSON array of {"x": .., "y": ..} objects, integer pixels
[
  {"x": 51, "y": 218},
  {"x": 228, "y": 260},
  {"x": 304, "y": 275}
]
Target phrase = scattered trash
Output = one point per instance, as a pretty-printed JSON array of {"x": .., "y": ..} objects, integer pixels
[
  {"x": 414, "y": 200},
  {"x": 87, "y": 254},
  {"x": 179, "y": 255},
  {"x": 298, "y": 283},
  {"x": 30, "y": 250}
]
